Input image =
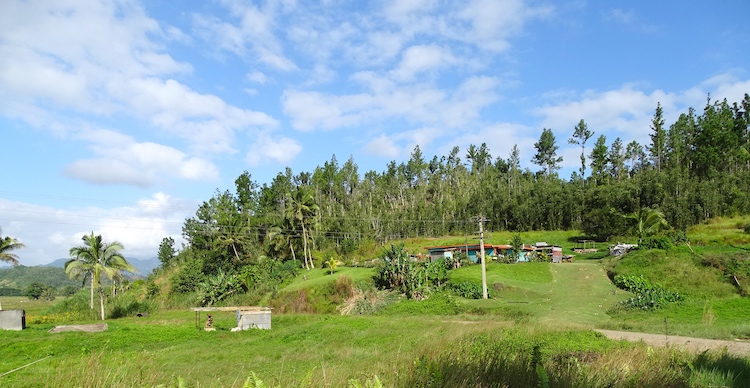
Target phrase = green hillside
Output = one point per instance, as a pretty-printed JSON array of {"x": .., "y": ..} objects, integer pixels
[{"x": 21, "y": 277}]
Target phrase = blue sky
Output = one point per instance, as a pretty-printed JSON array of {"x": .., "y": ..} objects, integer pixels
[{"x": 120, "y": 117}]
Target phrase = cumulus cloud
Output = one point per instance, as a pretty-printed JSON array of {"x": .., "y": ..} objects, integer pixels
[
  {"x": 103, "y": 58},
  {"x": 401, "y": 144},
  {"x": 266, "y": 149},
  {"x": 121, "y": 160},
  {"x": 383, "y": 146},
  {"x": 627, "y": 112},
  {"x": 49, "y": 233},
  {"x": 422, "y": 104}
]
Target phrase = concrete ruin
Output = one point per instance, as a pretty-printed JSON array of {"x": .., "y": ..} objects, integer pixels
[{"x": 12, "y": 319}]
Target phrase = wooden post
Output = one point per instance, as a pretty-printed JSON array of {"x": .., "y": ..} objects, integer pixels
[{"x": 481, "y": 252}]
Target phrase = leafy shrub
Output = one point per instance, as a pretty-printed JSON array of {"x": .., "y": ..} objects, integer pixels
[
  {"x": 218, "y": 287},
  {"x": 467, "y": 290},
  {"x": 152, "y": 289},
  {"x": 34, "y": 290},
  {"x": 647, "y": 296},
  {"x": 76, "y": 305},
  {"x": 69, "y": 291},
  {"x": 188, "y": 277},
  {"x": 48, "y": 294},
  {"x": 128, "y": 306},
  {"x": 656, "y": 242},
  {"x": 747, "y": 228},
  {"x": 400, "y": 273}
]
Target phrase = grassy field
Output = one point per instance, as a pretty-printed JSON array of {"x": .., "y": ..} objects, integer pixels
[{"x": 536, "y": 327}]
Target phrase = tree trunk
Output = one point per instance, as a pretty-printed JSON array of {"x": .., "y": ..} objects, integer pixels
[
  {"x": 304, "y": 247},
  {"x": 291, "y": 248},
  {"x": 91, "y": 303},
  {"x": 101, "y": 302}
]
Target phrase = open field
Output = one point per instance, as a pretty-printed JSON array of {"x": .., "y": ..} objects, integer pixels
[{"x": 537, "y": 311}]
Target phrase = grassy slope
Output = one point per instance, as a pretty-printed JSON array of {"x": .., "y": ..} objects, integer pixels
[{"x": 332, "y": 349}]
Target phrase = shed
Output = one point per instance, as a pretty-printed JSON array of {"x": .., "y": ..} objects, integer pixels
[{"x": 470, "y": 250}]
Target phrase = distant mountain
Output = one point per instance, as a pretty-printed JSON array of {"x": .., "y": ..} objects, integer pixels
[
  {"x": 144, "y": 267},
  {"x": 53, "y": 274}
]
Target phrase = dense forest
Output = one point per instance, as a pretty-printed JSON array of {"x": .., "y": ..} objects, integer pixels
[{"x": 693, "y": 169}]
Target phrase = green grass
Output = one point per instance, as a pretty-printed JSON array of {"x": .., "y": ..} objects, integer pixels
[
  {"x": 320, "y": 276},
  {"x": 32, "y": 307},
  {"x": 332, "y": 348},
  {"x": 549, "y": 305},
  {"x": 721, "y": 231}
]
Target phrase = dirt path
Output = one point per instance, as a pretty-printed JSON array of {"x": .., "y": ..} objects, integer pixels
[{"x": 738, "y": 348}]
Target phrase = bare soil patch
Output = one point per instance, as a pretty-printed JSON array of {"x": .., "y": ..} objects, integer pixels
[
  {"x": 93, "y": 328},
  {"x": 736, "y": 347}
]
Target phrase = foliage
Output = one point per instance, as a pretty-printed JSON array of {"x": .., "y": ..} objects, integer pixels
[
  {"x": 166, "y": 252},
  {"x": 188, "y": 277},
  {"x": 402, "y": 274},
  {"x": 69, "y": 290},
  {"x": 8, "y": 244},
  {"x": 22, "y": 276},
  {"x": 331, "y": 264},
  {"x": 467, "y": 290},
  {"x": 218, "y": 287},
  {"x": 127, "y": 306},
  {"x": 94, "y": 258},
  {"x": 647, "y": 296},
  {"x": 518, "y": 358},
  {"x": 747, "y": 228},
  {"x": 35, "y": 291},
  {"x": 8, "y": 291},
  {"x": 656, "y": 242}
]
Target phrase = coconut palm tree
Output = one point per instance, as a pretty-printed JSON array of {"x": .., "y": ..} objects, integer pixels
[
  {"x": 8, "y": 244},
  {"x": 301, "y": 213},
  {"x": 94, "y": 258}
]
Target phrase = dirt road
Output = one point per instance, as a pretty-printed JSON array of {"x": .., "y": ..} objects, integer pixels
[{"x": 738, "y": 348}]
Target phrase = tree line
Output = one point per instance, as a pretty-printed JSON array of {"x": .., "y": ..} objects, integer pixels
[{"x": 693, "y": 169}]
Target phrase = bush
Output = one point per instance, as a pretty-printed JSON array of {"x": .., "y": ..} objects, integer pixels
[
  {"x": 747, "y": 228},
  {"x": 37, "y": 291},
  {"x": 656, "y": 242},
  {"x": 467, "y": 290},
  {"x": 127, "y": 306},
  {"x": 69, "y": 291},
  {"x": 188, "y": 277},
  {"x": 647, "y": 296},
  {"x": 76, "y": 305}
]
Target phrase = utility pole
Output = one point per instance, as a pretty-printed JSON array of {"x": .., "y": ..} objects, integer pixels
[{"x": 482, "y": 220}]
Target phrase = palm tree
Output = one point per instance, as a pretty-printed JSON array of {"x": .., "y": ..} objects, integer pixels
[
  {"x": 94, "y": 258},
  {"x": 301, "y": 213},
  {"x": 646, "y": 222},
  {"x": 8, "y": 244}
]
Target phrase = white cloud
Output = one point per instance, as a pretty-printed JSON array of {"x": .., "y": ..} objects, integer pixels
[
  {"x": 101, "y": 58},
  {"x": 252, "y": 35},
  {"x": 627, "y": 112},
  {"x": 422, "y": 58},
  {"x": 383, "y": 146},
  {"x": 421, "y": 104},
  {"x": 265, "y": 149},
  {"x": 120, "y": 160},
  {"x": 49, "y": 233},
  {"x": 258, "y": 77}
]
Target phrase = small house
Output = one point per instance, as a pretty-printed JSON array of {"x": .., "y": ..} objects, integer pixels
[{"x": 470, "y": 250}]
